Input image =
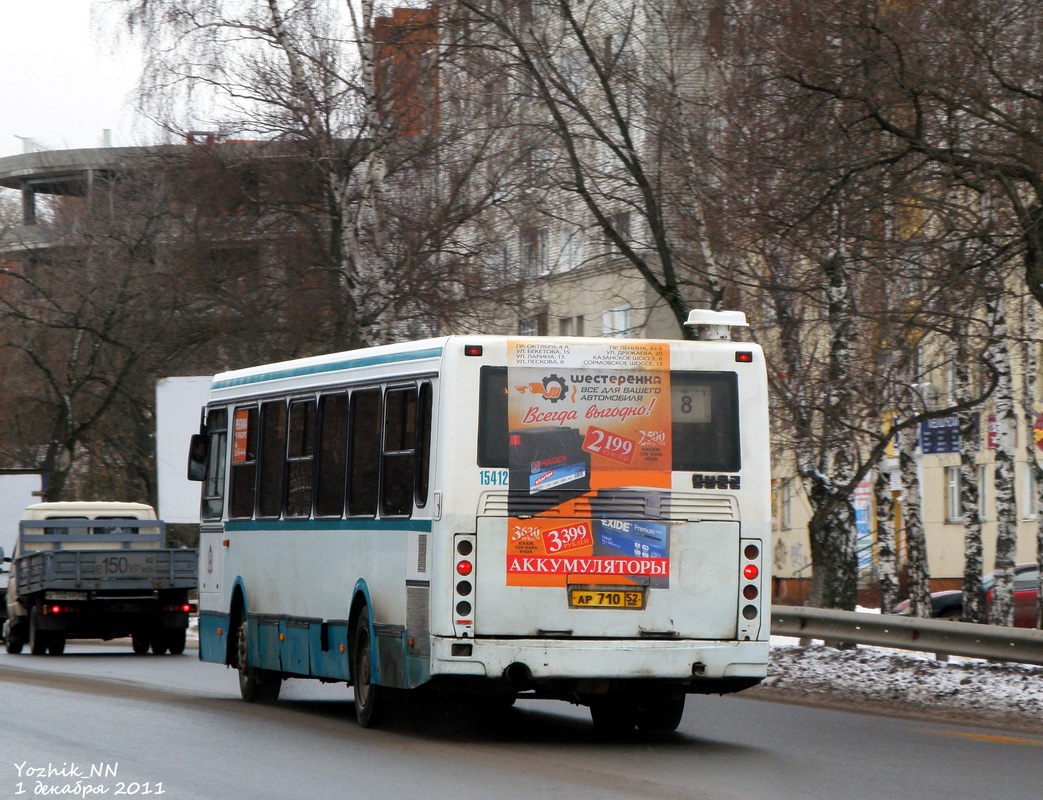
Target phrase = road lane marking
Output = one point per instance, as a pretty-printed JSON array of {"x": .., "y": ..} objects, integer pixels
[{"x": 995, "y": 738}]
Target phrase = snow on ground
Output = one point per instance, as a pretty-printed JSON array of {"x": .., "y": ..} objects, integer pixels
[{"x": 907, "y": 681}]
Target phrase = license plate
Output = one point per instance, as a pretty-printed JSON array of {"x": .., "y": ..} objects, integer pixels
[{"x": 606, "y": 597}]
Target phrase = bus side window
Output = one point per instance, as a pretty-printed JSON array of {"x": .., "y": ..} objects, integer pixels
[
  {"x": 331, "y": 468},
  {"x": 244, "y": 462},
  {"x": 214, "y": 484},
  {"x": 423, "y": 444},
  {"x": 364, "y": 452},
  {"x": 492, "y": 418},
  {"x": 272, "y": 463},
  {"x": 399, "y": 461},
  {"x": 300, "y": 449}
]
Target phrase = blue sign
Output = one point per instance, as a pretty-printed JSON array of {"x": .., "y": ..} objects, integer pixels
[{"x": 940, "y": 435}]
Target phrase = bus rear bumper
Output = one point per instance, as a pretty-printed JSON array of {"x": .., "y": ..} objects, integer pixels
[{"x": 541, "y": 660}]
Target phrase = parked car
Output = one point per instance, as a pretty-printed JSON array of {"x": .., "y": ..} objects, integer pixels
[{"x": 949, "y": 604}]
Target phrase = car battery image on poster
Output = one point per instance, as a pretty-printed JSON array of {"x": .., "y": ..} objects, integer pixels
[
  {"x": 634, "y": 538},
  {"x": 549, "y": 464}
]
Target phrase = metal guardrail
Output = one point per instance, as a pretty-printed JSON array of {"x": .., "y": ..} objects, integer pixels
[{"x": 944, "y": 637}]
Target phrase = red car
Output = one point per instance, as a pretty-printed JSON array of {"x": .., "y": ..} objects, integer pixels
[{"x": 949, "y": 604}]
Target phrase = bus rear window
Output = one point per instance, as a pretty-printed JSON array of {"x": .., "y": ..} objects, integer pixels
[{"x": 705, "y": 430}]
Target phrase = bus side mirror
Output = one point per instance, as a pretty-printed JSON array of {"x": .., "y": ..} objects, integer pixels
[{"x": 198, "y": 454}]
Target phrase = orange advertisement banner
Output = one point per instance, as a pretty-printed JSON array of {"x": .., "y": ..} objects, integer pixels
[{"x": 582, "y": 419}]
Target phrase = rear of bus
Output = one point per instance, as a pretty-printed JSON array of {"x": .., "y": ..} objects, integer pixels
[{"x": 606, "y": 531}]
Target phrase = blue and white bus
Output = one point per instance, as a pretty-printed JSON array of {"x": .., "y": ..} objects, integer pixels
[{"x": 574, "y": 518}]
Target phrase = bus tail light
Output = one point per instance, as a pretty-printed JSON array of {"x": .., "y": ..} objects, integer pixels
[
  {"x": 750, "y": 590},
  {"x": 464, "y": 545}
]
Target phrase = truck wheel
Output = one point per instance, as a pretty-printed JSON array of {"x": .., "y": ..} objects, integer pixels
[
  {"x": 140, "y": 643},
  {"x": 176, "y": 641},
  {"x": 159, "y": 643},
  {"x": 56, "y": 644},
  {"x": 37, "y": 638},
  {"x": 255, "y": 685}
]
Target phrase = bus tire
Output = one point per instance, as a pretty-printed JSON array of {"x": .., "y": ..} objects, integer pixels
[
  {"x": 660, "y": 713},
  {"x": 255, "y": 685},
  {"x": 370, "y": 699},
  {"x": 614, "y": 715}
]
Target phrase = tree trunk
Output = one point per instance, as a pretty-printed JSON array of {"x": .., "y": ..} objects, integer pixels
[
  {"x": 886, "y": 550},
  {"x": 1001, "y": 611},
  {"x": 912, "y": 518},
  {"x": 969, "y": 492}
]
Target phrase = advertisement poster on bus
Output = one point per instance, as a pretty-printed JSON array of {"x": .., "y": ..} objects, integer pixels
[{"x": 584, "y": 421}]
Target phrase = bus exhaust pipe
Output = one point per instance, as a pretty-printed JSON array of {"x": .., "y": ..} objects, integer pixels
[{"x": 518, "y": 675}]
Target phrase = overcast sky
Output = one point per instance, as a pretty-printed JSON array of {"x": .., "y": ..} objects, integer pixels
[{"x": 61, "y": 81}]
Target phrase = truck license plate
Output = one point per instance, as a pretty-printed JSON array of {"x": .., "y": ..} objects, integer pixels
[{"x": 606, "y": 597}]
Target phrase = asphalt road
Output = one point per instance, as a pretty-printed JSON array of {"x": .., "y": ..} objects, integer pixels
[{"x": 100, "y": 719}]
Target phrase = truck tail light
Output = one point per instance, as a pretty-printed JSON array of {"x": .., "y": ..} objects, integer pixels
[{"x": 181, "y": 608}]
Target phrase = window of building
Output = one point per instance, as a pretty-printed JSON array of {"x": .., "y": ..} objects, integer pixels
[
  {"x": 571, "y": 326},
  {"x": 615, "y": 323},
  {"x": 984, "y": 495},
  {"x": 621, "y": 225},
  {"x": 953, "y": 490},
  {"x": 1030, "y": 500},
  {"x": 785, "y": 503},
  {"x": 533, "y": 250},
  {"x": 533, "y": 326},
  {"x": 574, "y": 248}
]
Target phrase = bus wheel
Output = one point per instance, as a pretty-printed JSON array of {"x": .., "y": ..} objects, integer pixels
[
  {"x": 370, "y": 699},
  {"x": 176, "y": 641},
  {"x": 255, "y": 685},
  {"x": 660, "y": 713},
  {"x": 614, "y": 715}
]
